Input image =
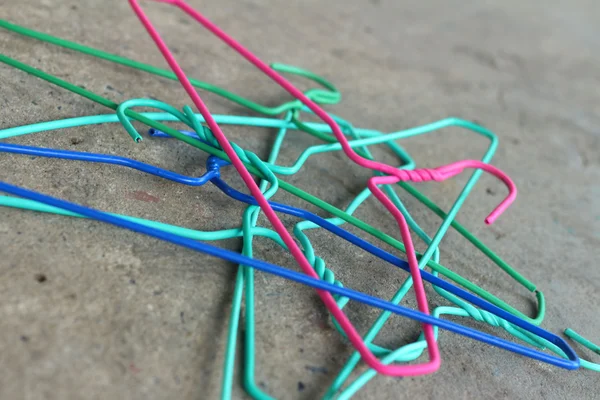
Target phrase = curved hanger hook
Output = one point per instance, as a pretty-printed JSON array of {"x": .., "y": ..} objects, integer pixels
[{"x": 447, "y": 171}]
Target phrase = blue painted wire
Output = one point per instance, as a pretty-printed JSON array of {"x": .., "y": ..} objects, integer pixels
[
  {"x": 571, "y": 363},
  {"x": 108, "y": 159},
  {"x": 213, "y": 166},
  {"x": 160, "y": 134}
]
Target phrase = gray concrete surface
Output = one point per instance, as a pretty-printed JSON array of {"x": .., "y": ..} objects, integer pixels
[{"x": 120, "y": 316}]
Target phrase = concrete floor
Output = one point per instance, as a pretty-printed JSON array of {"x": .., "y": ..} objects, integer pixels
[{"x": 121, "y": 316}]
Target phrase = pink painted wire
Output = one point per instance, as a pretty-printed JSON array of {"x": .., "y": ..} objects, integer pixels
[
  {"x": 441, "y": 174},
  {"x": 328, "y": 300}
]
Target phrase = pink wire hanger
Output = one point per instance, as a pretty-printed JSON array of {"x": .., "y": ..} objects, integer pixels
[{"x": 418, "y": 175}]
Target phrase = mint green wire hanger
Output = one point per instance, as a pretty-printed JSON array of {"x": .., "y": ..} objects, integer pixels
[
  {"x": 589, "y": 345},
  {"x": 245, "y": 279}
]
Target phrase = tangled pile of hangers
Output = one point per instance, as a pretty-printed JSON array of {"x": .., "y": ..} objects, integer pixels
[{"x": 338, "y": 134}]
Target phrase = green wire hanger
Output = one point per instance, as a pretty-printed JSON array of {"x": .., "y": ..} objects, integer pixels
[{"x": 126, "y": 113}]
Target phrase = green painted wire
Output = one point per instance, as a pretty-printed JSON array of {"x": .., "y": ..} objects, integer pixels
[
  {"x": 589, "y": 345},
  {"x": 330, "y": 97},
  {"x": 136, "y": 136},
  {"x": 16, "y": 202},
  {"x": 250, "y": 220},
  {"x": 208, "y": 236},
  {"x": 284, "y": 185},
  {"x": 181, "y": 231},
  {"x": 539, "y": 293},
  {"x": 245, "y": 276}
]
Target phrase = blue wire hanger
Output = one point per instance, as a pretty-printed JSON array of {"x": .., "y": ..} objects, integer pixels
[
  {"x": 213, "y": 175},
  {"x": 571, "y": 363}
]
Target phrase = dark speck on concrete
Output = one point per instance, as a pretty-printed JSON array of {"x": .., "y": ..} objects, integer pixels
[
  {"x": 490, "y": 191},
  {"x": 181, "y": 316},
  {"x": 108, "y": 87},
  {"x": 59, "y": 107},
  {"x": 132, "y": 281},
  {"x": 24, "y": 338},
  {"x": 301, "y": 386}
]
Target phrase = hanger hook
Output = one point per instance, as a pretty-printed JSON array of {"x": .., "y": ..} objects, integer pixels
[{"x": 447, "y": 171}]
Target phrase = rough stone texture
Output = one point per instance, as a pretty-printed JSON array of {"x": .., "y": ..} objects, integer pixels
[{"x": 123, "y": 316}]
